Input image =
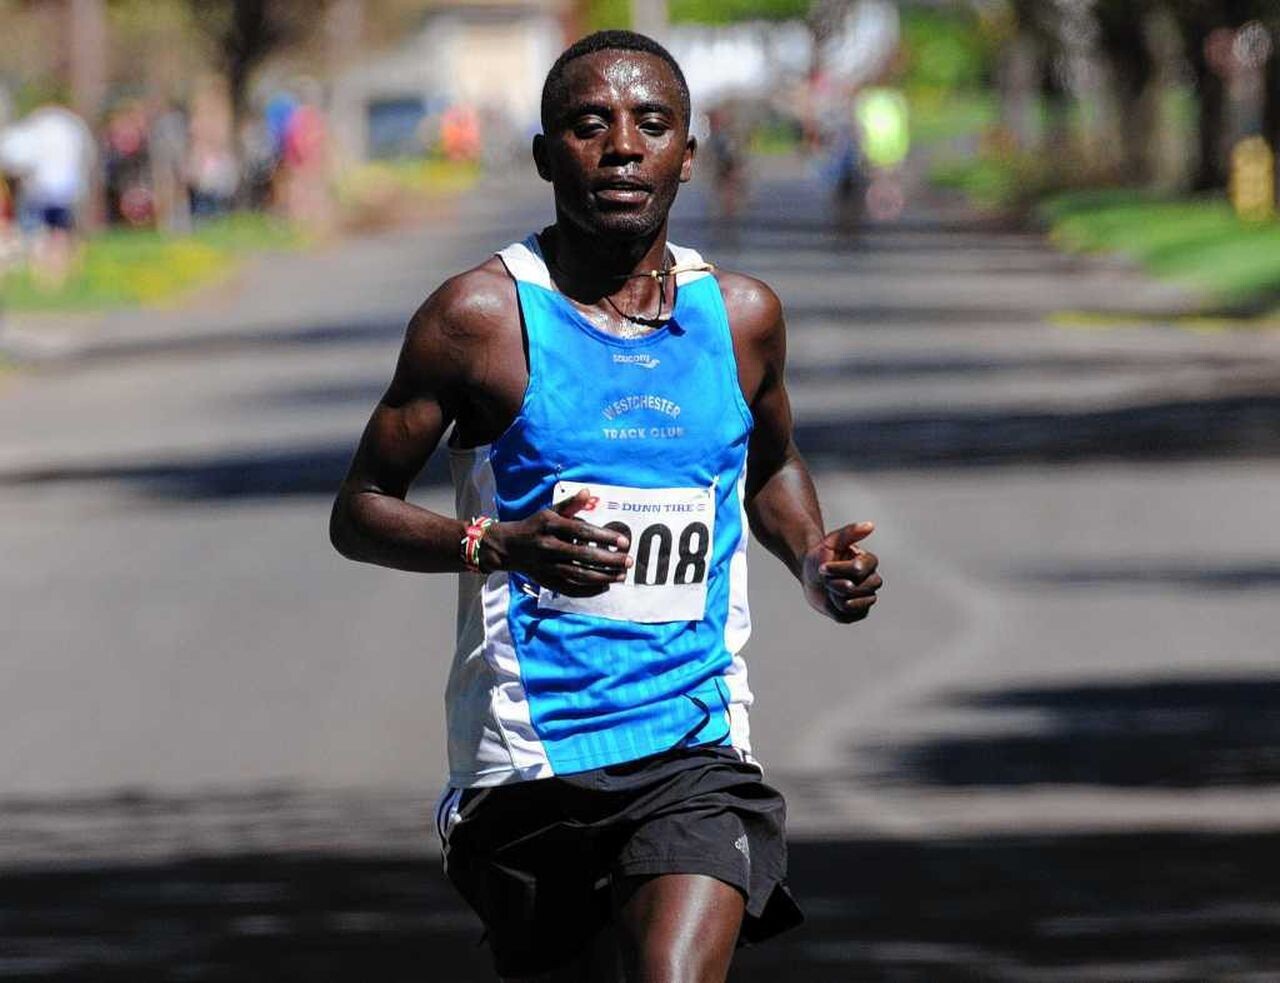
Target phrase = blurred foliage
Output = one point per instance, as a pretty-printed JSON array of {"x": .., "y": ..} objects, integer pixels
[
  {"x": 947, "y": 63},
  {"x": 1198, "y": 241},
  {"x": 126, "y": 268},
  {"x": 29, "y": 64},
  {"x": 994, "y": 180},
  {"x": 946, "y": 50},
  {"x": 603, "y": 14},
  {"x": 732, "y": 11},
  {"x": 944, "y": 117},
  {"x": 156, "y": 47},
  {"x": 775, "y": 136}
]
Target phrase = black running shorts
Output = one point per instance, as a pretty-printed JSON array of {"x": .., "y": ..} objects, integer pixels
[{"x": 536, "y": 859}]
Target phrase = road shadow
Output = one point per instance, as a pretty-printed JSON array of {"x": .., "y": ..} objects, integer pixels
[
  {"x": 1169, "y": 430},
  {"x": 1149, "y": 575},
  {"x": 1177, "y": 907},
  {"x": 897, "y": 316},
  {"x": 378, "y": 332},
  {"x": 1237, "y": 427},
  {"x": 315, "y": 469},
  {"x": 1174, "y": 906},
  {"x": 1183, "y": 734},
  {"x": 365, "y": 390}
]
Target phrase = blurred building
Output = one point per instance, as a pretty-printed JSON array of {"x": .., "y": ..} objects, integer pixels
[{"x": 489, "y": 56}]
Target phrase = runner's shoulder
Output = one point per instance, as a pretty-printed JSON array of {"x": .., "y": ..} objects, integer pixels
[
  {"x": 473, "y": 307},
  {"x": 753, "y": 307}
]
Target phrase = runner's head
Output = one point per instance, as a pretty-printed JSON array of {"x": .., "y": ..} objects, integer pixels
[
  {"x": 615, "y": 143},
  {"x": 554, "y": 89}
]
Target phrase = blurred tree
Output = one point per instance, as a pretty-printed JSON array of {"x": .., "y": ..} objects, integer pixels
[
  {"x": 246, "y": 32},
  {"x": 1123, "y": 46},
  {"x": 946, "y": 50},
  {"x": 1065, "y": 35},
  {"x": 1198, "y": 19},
  {"x": 155, "y": 48},
  {"x": 1027, "y": 75}
]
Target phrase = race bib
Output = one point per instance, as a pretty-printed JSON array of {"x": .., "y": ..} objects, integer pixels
[{"x": 670, "y": 531}]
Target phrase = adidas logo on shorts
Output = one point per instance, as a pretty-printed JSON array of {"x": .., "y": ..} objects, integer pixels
[{"x": 743, "y": 847}]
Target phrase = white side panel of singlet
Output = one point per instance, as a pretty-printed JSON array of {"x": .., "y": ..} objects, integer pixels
[
  {"x": 737, "y": 629},
  {"x": 491, "y": 735},
  {"x": 524, "y": 261}
]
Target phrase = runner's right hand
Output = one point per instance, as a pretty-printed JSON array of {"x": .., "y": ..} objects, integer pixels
[{"x": 558, "y": 551}]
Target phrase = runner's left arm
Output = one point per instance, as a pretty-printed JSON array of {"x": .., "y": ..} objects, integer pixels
[{"x": 839, "y": 577}]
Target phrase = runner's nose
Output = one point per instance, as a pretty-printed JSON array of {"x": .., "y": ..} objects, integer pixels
[{"x": 623, "y": 142}]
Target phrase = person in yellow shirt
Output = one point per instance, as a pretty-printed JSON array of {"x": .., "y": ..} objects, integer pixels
[{"x": 883, "y": 121}]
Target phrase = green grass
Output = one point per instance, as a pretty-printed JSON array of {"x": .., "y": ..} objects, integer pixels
[
  {"x": 1197, "y": 241},
  {"x": 990, "y": 180},
  {"x": 129, "y": 268},
  {"x": 939, "y": 117}
]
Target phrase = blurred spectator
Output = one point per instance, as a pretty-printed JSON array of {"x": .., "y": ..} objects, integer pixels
[
  {"x": 259, "y": 160},
  {"x": 213, "y": 173},
  {"x": 304, "y": 167},
  {"x": 279, "y": 110},
  {"x": 725, "y": 146},
  {"x": 10, "y": 243},
  {"x": 460, "y": 133},
  {"x": 882, "y": 118},
  {"x": 847, "y": 173},
  {"x": 127, "y": 166},
  {"x": 52, "y": 153},
  {"x": 168, "y": 146}
]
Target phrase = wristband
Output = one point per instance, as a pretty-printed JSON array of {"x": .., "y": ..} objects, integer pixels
[{"x": 469, "y": 548}]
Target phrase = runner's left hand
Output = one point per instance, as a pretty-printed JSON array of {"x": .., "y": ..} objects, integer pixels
[{"x": 840, "y": 578}]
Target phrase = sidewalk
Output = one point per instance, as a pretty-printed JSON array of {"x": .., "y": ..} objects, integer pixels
[{"x": 346, "y": 282}]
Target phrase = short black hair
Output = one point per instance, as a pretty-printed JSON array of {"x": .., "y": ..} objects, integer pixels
[{"x": 553, "y": 89}]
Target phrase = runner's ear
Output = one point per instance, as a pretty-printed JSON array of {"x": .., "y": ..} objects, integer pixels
[
  {"x": 540, "y": 156},
  {"x": 686, "y": 167}
]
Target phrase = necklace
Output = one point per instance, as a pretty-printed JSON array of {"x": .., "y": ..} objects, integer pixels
[{"x": 639, "y": 325}]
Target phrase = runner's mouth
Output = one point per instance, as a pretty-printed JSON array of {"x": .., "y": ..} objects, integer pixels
[{"x": 623, "y": 193}]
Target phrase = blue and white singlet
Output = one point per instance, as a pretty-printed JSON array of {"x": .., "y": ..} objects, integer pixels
[{"x": 656, "y": 427}]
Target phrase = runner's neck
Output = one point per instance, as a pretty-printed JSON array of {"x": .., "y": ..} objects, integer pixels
[{"x": 624, "y": 290}]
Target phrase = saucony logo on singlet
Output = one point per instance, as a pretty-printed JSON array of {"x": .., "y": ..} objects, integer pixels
[{"x": 645, "y": 361}]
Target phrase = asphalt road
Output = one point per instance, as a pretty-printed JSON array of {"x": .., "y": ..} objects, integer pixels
[{"x": 1052, "y": 753}]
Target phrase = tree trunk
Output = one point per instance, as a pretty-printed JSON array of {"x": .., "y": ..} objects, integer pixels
[
  {"x": 1018, "y": 69},
  {"x": 1211, "y": 172},
  {"x": 1271, "y": 96},
  {"x": 1059, "y": 153},
  {"x": 1124, "y": 46}
]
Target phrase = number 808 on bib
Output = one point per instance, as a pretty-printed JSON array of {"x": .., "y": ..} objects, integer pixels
[{"x": 671, "y": 533}]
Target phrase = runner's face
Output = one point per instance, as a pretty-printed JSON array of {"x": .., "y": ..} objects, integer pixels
[{"x": 620, "y": 147}]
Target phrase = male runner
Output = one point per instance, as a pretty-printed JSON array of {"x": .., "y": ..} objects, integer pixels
[{"x": 618, "y": 411}]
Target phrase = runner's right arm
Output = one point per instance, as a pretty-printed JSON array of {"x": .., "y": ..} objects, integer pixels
[{"x": 444, "y": 375}]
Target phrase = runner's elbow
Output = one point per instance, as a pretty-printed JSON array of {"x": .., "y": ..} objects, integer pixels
[{"x": 341, "y": 532}]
